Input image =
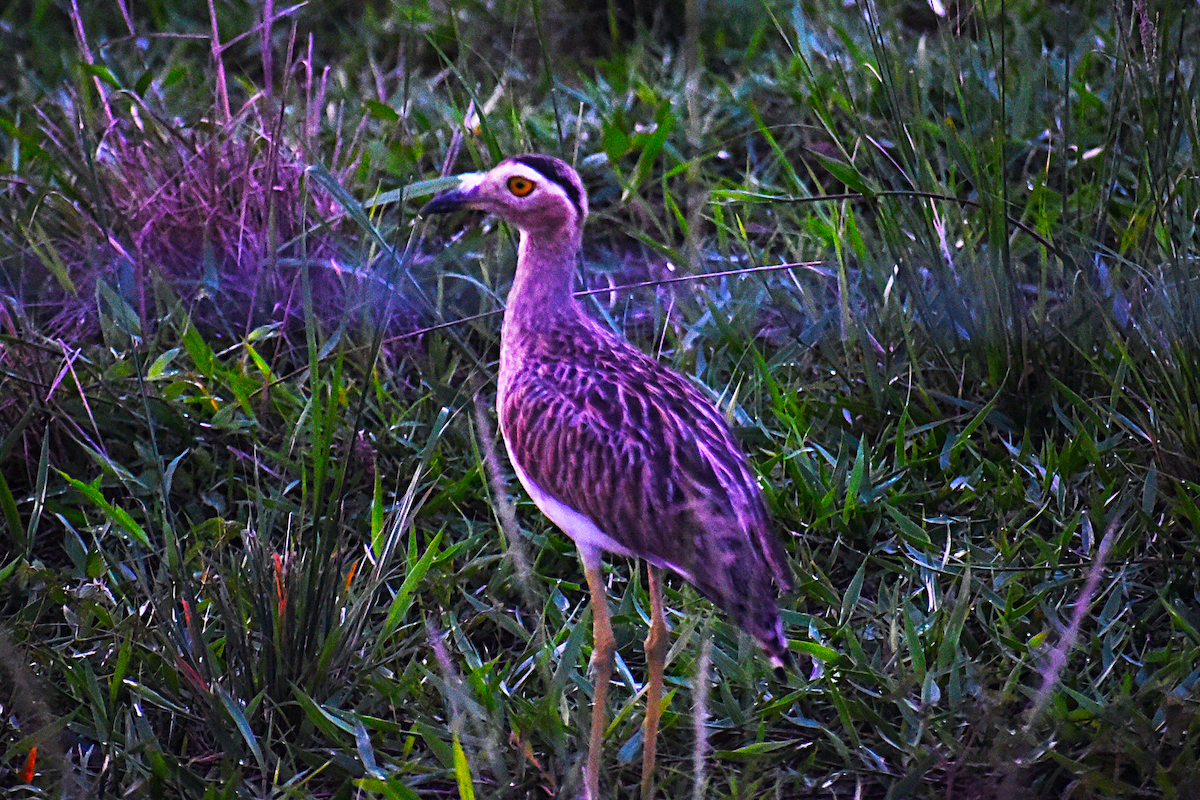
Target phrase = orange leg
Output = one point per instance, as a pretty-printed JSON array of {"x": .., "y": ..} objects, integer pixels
[
  {"x": 656, "y": 654},
  {"x": 603, "y": 645}
]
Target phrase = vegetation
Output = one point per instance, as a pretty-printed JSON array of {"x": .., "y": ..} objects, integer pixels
[{"x": 941, "y": 270}]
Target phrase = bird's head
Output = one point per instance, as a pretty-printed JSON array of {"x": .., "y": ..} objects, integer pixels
[{"x": 538, "y": 194}]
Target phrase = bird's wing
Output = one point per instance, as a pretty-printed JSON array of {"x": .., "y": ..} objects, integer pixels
[{"x": 640, "y": 452}]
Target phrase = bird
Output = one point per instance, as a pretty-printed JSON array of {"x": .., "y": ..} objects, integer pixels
[{"x": 623, "y": 453}]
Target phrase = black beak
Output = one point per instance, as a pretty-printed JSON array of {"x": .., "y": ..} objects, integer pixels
[{"x": 445, "y": 202}]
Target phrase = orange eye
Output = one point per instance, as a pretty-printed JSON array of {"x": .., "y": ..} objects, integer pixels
[{"x": 520, "y": 186}]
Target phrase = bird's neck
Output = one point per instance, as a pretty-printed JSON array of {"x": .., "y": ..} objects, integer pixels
[{"x": 545, "y": 275}]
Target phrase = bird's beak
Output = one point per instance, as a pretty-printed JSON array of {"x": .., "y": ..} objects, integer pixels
[{"x": 459, "y": 197}]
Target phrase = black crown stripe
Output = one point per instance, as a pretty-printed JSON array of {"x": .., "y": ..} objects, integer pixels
[{"x": 556, "y": 171}]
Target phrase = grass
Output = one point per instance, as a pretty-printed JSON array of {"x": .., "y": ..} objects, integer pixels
[{"x": 256, "y": 537}]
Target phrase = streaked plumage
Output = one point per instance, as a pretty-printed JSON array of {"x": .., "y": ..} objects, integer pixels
[
  {"x": 637, "y": 449},
  {"x": 621, "y": 452}
]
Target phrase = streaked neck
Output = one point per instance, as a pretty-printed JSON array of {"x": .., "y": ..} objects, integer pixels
[{"x": 545, "y": 277}]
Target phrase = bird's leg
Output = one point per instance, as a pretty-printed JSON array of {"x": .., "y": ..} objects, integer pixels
[
  {"x": 656, "y": 654},
  {"x": 603, "y": 645}
]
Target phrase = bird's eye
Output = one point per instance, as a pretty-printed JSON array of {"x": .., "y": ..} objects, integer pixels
[{"x": 520, "y": 186}]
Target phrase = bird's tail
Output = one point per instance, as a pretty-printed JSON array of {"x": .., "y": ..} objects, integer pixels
[{"x": 766, "y": 627}]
